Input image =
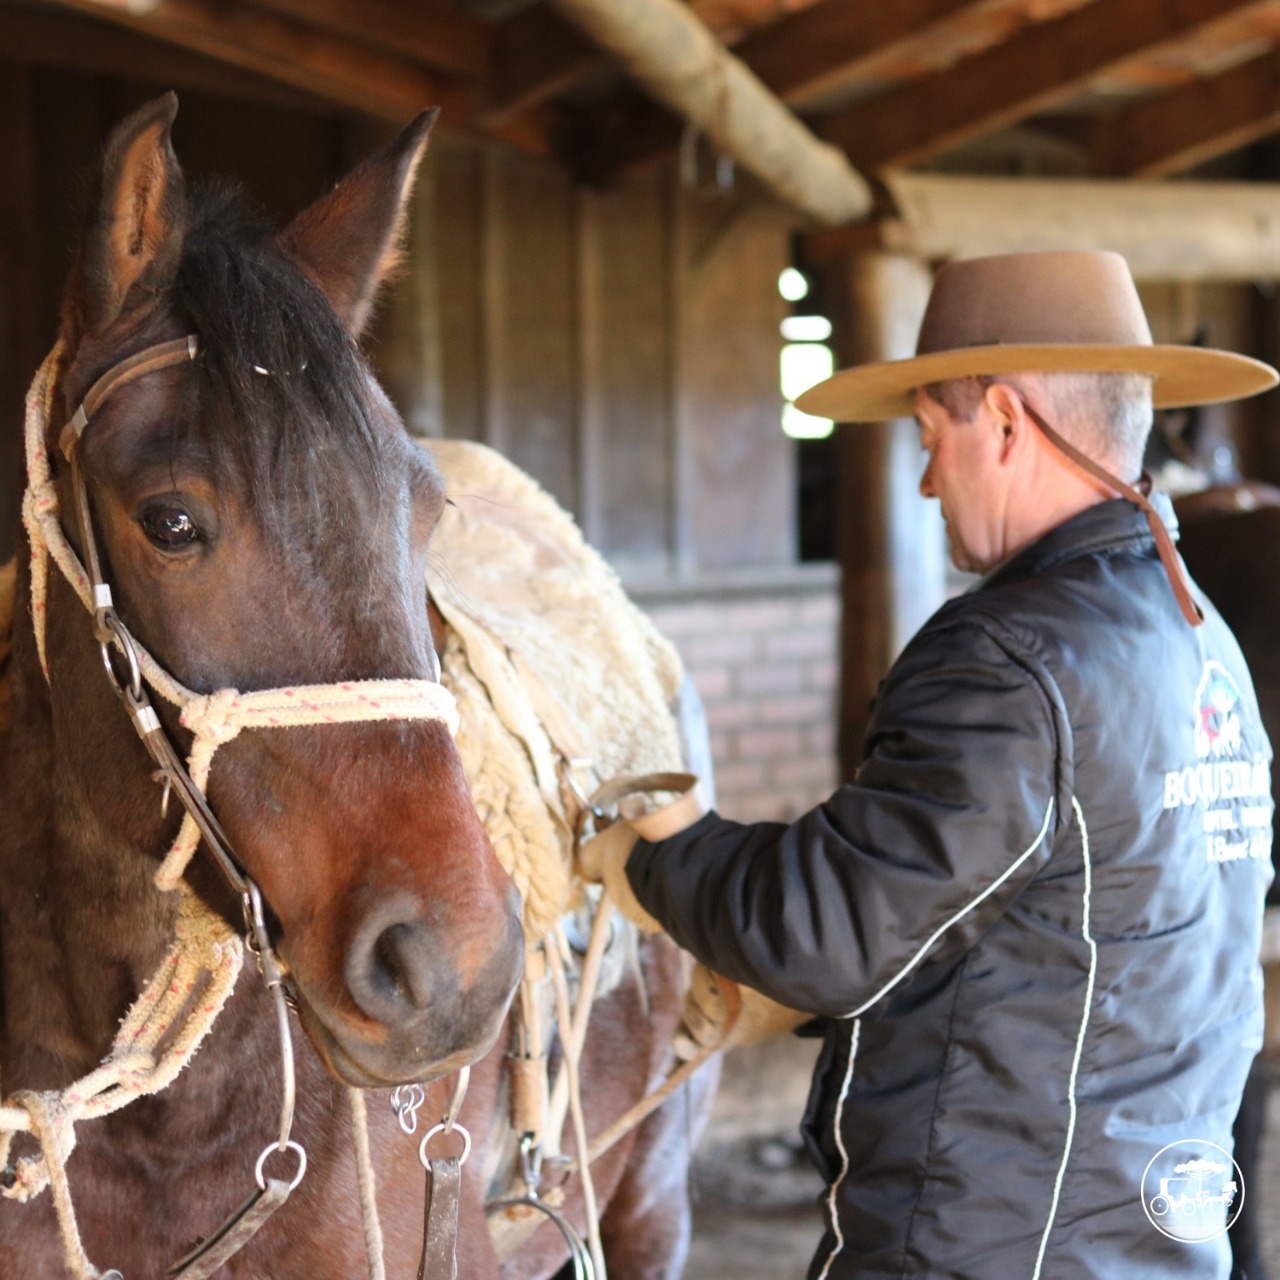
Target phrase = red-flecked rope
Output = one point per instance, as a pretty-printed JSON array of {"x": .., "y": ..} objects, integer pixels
[{"x": 180, "y": 1002}]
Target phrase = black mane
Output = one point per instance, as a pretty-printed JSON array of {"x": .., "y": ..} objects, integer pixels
[{"x": 279, "y": 432}]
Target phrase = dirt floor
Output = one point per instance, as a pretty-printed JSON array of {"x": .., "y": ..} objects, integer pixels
[{"x": 756, "y": 1215}]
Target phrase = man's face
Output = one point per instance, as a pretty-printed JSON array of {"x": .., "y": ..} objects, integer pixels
[{"x": 963, "y": 472}]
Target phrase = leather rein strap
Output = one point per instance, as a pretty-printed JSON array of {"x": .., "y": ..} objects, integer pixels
[{"x": 1169, "y": 557}]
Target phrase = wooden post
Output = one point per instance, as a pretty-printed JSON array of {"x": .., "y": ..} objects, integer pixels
[{"x": 890, "y": 538}]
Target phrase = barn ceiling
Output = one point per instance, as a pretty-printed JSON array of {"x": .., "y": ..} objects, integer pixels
[{"x": 1126, "y": 88}]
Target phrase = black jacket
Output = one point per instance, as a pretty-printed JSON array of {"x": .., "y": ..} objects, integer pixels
[{"x": 1033, "y": 921}]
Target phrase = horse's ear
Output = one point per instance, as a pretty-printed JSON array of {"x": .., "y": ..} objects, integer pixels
[
  {"x": 352, "y": 239},
  {"x": 136, "y": 223}
]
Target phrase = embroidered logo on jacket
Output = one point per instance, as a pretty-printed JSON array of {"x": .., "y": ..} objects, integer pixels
[{"x": 1234, "y": 789}]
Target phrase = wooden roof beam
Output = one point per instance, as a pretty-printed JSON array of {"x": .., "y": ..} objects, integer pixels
[
  {"x": 830, "y": 43},
  {"x": 441, "y": 39},
  {"x": 53, "y": 38},
  {"x": 1178, "y": 130},
  {"x": 1040, "y": 66},
  {"x": 664, "y": 47},
  {"x": 1190, "y": 231},
  {"x": 292, "y": 53},
  {"x": 834, "y": 42},
  {"x": 536, "y": 56}
]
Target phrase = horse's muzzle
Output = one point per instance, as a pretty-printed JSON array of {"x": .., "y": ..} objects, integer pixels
[{"x": 428, "y": 1000}]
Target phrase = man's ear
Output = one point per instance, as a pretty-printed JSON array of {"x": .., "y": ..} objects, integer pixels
[
  {"x": 137, "y": 219},
  {"x": 351, "y": 240},
  {"x": 1007, "y": 416}
]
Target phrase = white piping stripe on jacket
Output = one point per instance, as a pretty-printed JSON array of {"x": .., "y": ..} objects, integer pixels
[
  {"x": 857, "y": 1029},
  {"x": 959, "y": 915},
  {"x": 844, "y": 1154},
  {"x": 1084, "y": 1025}
]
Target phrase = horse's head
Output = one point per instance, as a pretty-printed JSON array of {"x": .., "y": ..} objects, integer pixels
[{"x": 264, "y": 520}]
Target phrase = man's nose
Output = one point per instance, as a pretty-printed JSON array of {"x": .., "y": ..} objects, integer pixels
[{"x": 926, "y": 481}]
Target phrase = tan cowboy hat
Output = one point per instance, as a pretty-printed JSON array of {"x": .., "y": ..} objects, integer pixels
[{"x": 1074, "y": 312}]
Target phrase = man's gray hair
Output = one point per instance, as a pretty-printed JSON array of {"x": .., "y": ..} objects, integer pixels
[{"x": 1107, "y": 415}]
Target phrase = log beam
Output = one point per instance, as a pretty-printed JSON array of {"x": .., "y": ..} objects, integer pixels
[
  {"x": 1041, "y": 66},
  {"x": 663, "y": 46},
  {"x": 1190, "y": 231},
  {"x": 1189, "y": 126}
]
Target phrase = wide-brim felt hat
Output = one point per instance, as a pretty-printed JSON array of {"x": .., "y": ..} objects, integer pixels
[{"x": 1064, "y": 312}]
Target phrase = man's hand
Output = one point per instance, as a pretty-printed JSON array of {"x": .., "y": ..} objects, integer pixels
[
  {"x": 603, "y": 860},
  {"x": 707, "y": 1008}
]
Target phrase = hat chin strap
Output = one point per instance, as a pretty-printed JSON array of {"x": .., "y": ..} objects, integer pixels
[{"x": 1169, "y": 557}]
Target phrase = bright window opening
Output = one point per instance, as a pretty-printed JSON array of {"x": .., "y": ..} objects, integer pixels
[
  {"x": 802, "y": 364},
  {"x": 792, "y": 285}
]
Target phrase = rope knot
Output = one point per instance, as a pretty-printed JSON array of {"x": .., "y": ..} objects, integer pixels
[{"x": 214, "y": 717}]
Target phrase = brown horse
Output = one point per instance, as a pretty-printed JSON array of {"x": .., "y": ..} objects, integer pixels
[{"x": 264, "y": 520}]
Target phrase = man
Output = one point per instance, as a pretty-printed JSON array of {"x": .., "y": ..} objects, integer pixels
[{"x": 1032, "y": 921}]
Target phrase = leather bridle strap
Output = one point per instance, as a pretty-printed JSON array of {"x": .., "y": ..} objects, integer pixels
[
  {"x": 148, "y": 360},
  {"x": 1169, "y": 557}
]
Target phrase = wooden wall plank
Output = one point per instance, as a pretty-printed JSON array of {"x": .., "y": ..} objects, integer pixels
[
  {"x": 743, "y": 466},
  {"x": 21, "y": 347},
  {"x": 631, "y": 374},
  {"x": 534, "y": 389},
  {"x": 458, "y": 247}
]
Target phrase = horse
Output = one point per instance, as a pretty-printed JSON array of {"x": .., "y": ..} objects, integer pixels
[{"x": 254, "y": 517}]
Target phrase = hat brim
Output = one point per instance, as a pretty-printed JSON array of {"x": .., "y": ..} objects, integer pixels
[{"x": 1181, "y": 376}]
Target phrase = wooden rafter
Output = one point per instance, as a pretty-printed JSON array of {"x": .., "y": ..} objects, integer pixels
[
  {"x": 292, "y": 53},
  {"x": 1183, "y": 128},
  {"x": 49, "y": 37},
  {"x": 536, "y": 55},
  {"x": 835, "y": 42},
  {"x": 441, "y": 39},
  {"x": 1040, "y": 66}
]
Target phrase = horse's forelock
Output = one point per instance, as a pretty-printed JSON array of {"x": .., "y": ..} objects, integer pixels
[{"x": 280, "y": 399}]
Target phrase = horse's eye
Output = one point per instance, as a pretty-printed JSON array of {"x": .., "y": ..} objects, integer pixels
[{"x": 170, "y": 528}]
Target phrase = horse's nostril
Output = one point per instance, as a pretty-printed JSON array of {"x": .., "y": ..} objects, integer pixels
[
  {"x": 393, "y": 969},
  {"x": 390, "y": 973}
]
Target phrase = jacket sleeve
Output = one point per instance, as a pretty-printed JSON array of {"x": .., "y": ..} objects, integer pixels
[{"x": 950, "y": 817}]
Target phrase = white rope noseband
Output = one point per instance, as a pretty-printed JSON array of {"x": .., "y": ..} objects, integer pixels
[{"x": 165, "y": 1026}]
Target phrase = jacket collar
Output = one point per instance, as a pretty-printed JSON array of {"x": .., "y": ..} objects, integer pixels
[{"x": 1106, "y": 526}]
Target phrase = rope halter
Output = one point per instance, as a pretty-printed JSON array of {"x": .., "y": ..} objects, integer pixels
[
  {"x": 165, "y": 1026},
  {"x": 215, "y": 718}
]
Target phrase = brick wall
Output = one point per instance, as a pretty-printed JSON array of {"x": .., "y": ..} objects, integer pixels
[{"x": 762, "y": 651}]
